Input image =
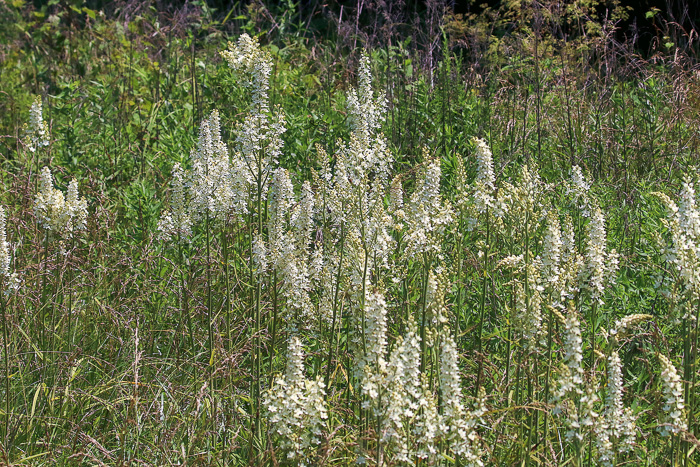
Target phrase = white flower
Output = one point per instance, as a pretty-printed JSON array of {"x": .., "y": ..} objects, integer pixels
[
  {"x": 55, "y": 212},
  {"x": 366, "y": 110},
  {"x": 570, "y": 382},
  {"x": 616, "y": 432},
  {"x": 252, "y": 64},
  {"x": 176, "y": 222},
  {"x": 674, "y": 404},
  {"x": 684, "y": 224},
  {"x": 484, "y": 174},
  {"x": 259, "y": 254},
  {"x": 428, "y": 213},
  {"x": 259, "y": 138},
  {"x": 4, "y": 246},
  {"x": 595, "y": 255},
  {"x": 37, "y": 130},
  {"x": 458, "y": 426},
  {"x": 296, "y": 408},
  {"x": 302, "y": 216},
  {"x": 208, "y": 176},
  {"x": 367, "y": 150},
  {"x": 551, "y": 250},
  {"x": 614, "y": 410},
  {"x": 578, "y": 189}
]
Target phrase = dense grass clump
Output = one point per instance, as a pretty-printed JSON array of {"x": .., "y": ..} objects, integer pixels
[{"x": 323, "y": 237}]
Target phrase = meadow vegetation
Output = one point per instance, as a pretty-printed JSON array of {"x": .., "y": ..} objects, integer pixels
[{"x": 329, "y": 234}]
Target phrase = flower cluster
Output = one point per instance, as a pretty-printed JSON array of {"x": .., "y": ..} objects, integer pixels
[
  {"x": 569, "y": 396},
  {"x": 405, "y": 396},
  {"x": 295, "y": 408},
  {"x": 10, "y": 279},
  {"x": 428, "y": 213},
  {"x": 252, "y": 64},
  {"x": 259, "y": 137},
  {"x": 684, "y": 224},
  {"x": 62, "y": 215},
  {"x": 372, "y": 359},
  {"x": 214, "y": 188},
  {"x": 38, "y": 130},
  {"x": 457, "y": 425},
  {"x": 601, "y": 265},
  {"x": 616, "y": 432},
  {"x": 674, "y": 404},
  {"x": 176, "y": 222},
  {"x": 5, "y": 257},
  {"x": 578, "y": 188}
]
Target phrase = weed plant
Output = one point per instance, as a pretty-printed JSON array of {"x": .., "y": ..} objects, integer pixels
[{"x": 471, "y": 242}]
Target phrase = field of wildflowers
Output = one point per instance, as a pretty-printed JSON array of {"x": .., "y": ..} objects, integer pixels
[{"x": 240, "y": 248}]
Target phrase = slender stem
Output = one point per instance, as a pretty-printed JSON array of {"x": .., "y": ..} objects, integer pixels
[
  {"x": 273, "y": 338},
  {"x": 43, "y": 288},
  {"x": 335, "y": 306},
  {"x": 258, "y": 293},
  {"x": 549, "y": 368},
  {"x": 694, "y": 372},
  {"x": 424, "y": 305},
  {"x": 184, "y": 300},
  {"x": 594, "y": 320},
  {"x": 227, "y": 310},
  {"x": 458, "y": 313},
  {"x": 482, "y": 306},
  {"x": 6, "y": 351},
  {"x": 70, "y": 296}
]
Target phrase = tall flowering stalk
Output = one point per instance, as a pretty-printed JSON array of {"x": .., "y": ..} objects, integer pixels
[
  {"x": 600, "y": 268},
  {"x": 62, "y": 215},
  {"x": 428, "y": 215},
  {"x": 483, "y": 205},
  {"x": 615, "y": 433},
  {"x": 357, "y": 235},
  {"x": 457, "y": 424},
  {"x": 405, "y": 397},
  {"x": 683, "y": 222},
  {"x": 522, "y": 205},
  {"x": 258, "y": 146},
  {"x": 572, "y": 396},
  {"x": 8, "y": 282},
  {"x": 176, "y": 224},
  {"x": 37, "y": 133}
]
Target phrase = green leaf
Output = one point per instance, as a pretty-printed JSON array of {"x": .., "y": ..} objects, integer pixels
[{"x": 89, "y": 12}]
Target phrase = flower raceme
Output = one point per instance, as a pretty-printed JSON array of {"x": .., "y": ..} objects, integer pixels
[
  {"x": 4, "y": 245},
  {"x": 38, "y": 130},
  {"x": 295, "y": 407},
  {"x": 259, "y": 137},
  {"x": 56, "y": 212},
  {"x": 428, "y": 214},
  {"x": 684, "y": 223},
  {"x": 10, "y": 279},
  {"x": 176, "y": 222},
  {"x": 254, "y": 65},
  {"x": 674, "y": 404}
]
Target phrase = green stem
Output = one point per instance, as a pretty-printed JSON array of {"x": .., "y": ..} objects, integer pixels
[
  {"x": 335, "y": 306},
  {"x": 70, "y": 296},
  {"x": 6, "y": 349},
  {"x": 482, "y": 307},
  {"x": 227, "y": 310},
  {"x": 424, "y": 305},
  {"x": 258, "y": 293}
]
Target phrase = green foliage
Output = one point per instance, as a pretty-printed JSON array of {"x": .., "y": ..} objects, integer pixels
[{"x": 124, "y": 94}]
